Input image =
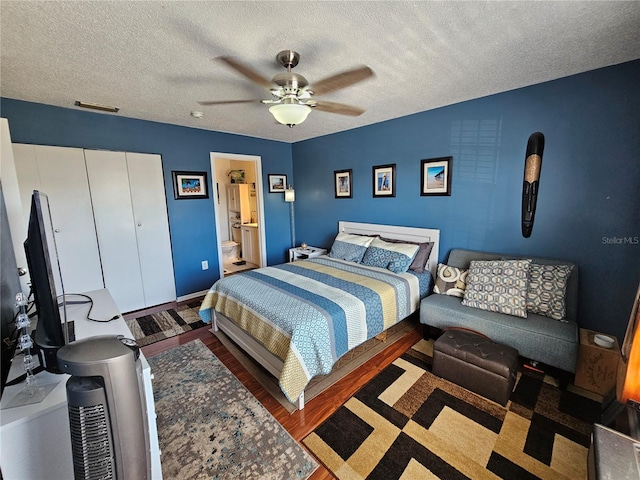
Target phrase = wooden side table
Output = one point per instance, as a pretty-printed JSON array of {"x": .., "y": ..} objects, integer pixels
[
  {"x": 299, "y": 253},
  {"x": 597, "y": 366}
]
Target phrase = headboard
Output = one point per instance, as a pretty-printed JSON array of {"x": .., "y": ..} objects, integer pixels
[{"x": 412, "y": 234}]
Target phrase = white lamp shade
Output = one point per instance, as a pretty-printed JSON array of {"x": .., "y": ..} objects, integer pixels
[
  {"x": 290, "y": 113},
  {"x": 289, "y": 195}
]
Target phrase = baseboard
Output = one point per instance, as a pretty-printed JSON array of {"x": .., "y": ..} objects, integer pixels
[{"x": 191, "y": 296}]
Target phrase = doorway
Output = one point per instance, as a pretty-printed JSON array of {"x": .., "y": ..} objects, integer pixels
[{"x": 240, "y": 235}]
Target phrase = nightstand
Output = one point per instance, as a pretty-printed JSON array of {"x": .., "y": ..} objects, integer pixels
[{"x": 300, "y": 253}]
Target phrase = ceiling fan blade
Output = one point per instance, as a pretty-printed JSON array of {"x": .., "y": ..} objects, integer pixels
[
  {"x": 341, "y": 80},
  {"x": 333, "y": 107},
  {"x": 246, "y": 71},
  {"x": 223, "y": 102}
]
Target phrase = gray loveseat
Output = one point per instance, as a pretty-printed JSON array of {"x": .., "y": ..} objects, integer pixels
[{"x": 536, "y": 337}]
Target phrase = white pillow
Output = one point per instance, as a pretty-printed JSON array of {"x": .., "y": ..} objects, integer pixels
[{"x": 350, "y": 247}]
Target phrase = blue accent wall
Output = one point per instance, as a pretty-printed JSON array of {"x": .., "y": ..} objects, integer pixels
[
  {"x": 191, "y": 222},
  {"x": 588, "y": 207}
]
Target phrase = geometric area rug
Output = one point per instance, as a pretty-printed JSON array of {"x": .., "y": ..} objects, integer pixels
[
  {"x": 152, "y": 328},
  {"x": 211, "y": 427},
  {"x": 407, "y": 423}
]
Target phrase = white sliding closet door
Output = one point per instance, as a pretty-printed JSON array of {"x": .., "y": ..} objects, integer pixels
[
  {"x": 60, "y": 173},
  {"x": 152, "y": 227},
  {"x": 115, "y": 226}
]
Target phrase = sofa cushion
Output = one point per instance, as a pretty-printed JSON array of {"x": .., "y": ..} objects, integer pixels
[
  {"x": 536, "y": 337},
  {"x": 450, "y": 280},
  {"x": 395, "y": 257},
  {"x": 498, "y": 286},
  {"x": 350, "y": 247},
  {"x": 547, "y": 290}
]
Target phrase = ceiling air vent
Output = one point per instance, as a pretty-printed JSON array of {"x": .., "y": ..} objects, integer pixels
[{"x": 97, "y": 106}]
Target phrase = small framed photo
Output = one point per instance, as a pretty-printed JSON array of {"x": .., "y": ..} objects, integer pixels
[
  {"x": 435, "y": 176},
  {"x": 277, "y": 183},
  {"x": 343, "y": 183},
  {"x": 384, "y": 181},
  {"x": 189, "y": 185}
]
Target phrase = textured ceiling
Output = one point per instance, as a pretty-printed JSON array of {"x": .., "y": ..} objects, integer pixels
[{"x": 154, "y": 59}]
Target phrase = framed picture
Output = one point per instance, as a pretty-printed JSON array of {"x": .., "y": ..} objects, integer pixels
[
  {"x": 189, "y": 185},
  {"x": 277, "y": 183},
  {"x": 343, "y": 183},
  {"x": 435, "y": 176},
  {"x": 384, "y": 181}
]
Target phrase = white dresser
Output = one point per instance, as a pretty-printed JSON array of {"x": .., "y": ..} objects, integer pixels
[{"x": 35, "y": 440}]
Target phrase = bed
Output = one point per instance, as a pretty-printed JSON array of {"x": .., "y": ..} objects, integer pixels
[{"x": 297, "y": 319}]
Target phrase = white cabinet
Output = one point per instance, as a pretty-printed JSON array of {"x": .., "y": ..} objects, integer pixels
[
  {"x": 110, "y": 216},
  {"x": 130, "y": 212},
  {"x": 250, "y": 244},
  {"x": 60, "y": 173},
  {"x": 238, "y": 200}
]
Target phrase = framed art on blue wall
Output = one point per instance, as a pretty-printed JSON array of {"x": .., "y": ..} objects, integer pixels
[
  {"x": 384, "y": 181},
  {"x": 343, "y": 183},
  {"x": 435, "y": 176},
  {"x": 189, "y": 185},
  {"x": 277, "y": 183}
]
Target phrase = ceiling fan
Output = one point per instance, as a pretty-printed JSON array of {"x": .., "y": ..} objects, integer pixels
[{"x": 292, "y": 96}]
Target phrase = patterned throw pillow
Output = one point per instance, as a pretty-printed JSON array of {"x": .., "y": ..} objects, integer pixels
[
  {"x": 450, "y": 281},
  {"x": 395, "y": 257},
  {"x": 547, "y": 290},
  {"x": 498, "y": 286},
  {"x": 420, "y": 260},
  {"x": 347, "y": 246}
]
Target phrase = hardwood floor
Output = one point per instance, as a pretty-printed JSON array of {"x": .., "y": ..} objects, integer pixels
[{"x": 300, "y": 423}]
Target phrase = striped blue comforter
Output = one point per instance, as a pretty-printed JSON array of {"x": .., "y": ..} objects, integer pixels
[{"x": 309, "y": 313}]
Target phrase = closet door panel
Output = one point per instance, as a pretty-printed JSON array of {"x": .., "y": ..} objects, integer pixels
[
  {"x": 28, "y": 178},
  {"x": 152, "y": 227},
  {"x": 60, "y": 173},
  {"x": 115, "y": 226},
  {"x": 10, "y": 192}
]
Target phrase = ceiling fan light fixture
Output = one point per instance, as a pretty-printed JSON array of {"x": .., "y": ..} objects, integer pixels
[{"x": 290, "y": 113}]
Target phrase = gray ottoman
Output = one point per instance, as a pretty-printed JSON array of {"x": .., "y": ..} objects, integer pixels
[{"x": 476, "y": 363}]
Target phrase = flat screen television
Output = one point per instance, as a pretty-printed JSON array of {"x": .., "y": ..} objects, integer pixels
[{"x": 46, "y": 283}]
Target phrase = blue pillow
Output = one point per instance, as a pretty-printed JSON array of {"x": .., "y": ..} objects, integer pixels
[{"x": 395, "y": 257}]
